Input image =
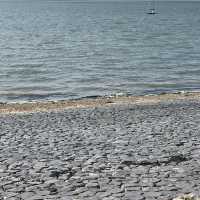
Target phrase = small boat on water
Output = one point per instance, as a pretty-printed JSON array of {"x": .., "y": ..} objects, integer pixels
[{"x": 152, "y": 11}]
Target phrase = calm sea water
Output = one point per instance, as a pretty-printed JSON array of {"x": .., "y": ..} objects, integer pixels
[{"x": 53, "y": 50}]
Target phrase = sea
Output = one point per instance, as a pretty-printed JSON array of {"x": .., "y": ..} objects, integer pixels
[{"x": 56, "y": 50}]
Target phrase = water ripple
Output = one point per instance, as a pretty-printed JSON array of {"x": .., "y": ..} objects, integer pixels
[{"x": 58, "y": 50}]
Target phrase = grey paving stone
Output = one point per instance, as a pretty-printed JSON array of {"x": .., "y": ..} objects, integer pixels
[
  {"x": 117, "y": 152},
  {"x": 27, "y": 195},
  {"x": 134, "y": 195}
]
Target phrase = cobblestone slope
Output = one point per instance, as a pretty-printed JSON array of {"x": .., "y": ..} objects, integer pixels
[{"x": 106, "y": 153}]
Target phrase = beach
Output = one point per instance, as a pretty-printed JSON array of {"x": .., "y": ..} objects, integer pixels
[
  {"x": 99, "y": 100},
  {"x": 140, "y": 148}
]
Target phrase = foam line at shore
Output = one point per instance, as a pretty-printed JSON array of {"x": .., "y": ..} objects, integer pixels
[{"x": 47, "y": 106}]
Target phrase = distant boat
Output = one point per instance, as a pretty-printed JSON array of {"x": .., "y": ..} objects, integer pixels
[{"x": 152, "y": 10}]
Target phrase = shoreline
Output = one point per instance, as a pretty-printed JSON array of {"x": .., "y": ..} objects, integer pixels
[
  {"x": 120, "y": 152},
  {"x": 47, "y": 106}
]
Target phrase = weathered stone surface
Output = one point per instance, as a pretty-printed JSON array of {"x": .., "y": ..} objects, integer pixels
[
  {"x": 123, "y": 152},
  {"x": 134, "y": 195},
  {"x": 27, "y": 195}
]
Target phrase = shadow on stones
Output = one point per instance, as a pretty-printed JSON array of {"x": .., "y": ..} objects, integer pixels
[
  {"x": 57, "y": 173},
  {"x": 175, "y": 158},
  {"x": 178, "y": 159}
]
